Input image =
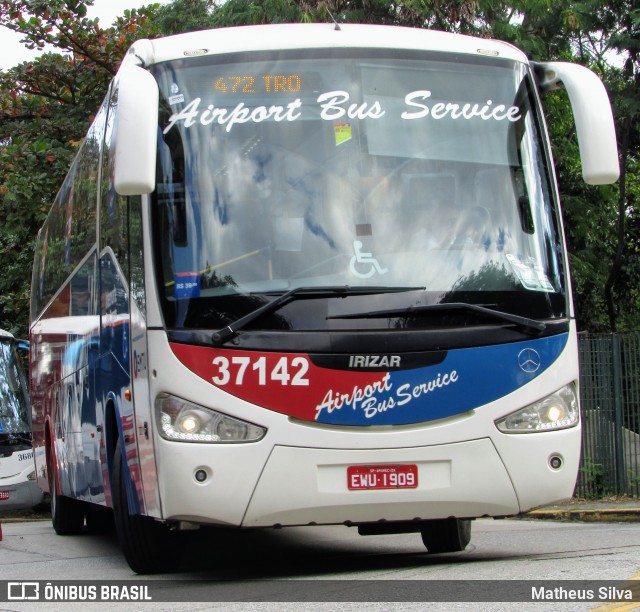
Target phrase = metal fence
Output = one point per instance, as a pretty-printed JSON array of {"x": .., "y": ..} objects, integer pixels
[{"x": 610, "y": 398}]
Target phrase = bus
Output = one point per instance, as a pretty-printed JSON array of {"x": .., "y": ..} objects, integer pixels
[
  {"x": 18, "y": 486},
  {"x": 310, "y": 274}
]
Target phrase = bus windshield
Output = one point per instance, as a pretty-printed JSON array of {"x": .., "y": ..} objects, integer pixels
[
  {"x": 15, "y": 429},
  {"x": 342, "y": 168}
]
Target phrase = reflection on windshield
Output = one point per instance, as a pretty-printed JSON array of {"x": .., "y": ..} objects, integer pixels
[
  {"x": 331, "y": 171},
  {"x": 14, "y": 404}
]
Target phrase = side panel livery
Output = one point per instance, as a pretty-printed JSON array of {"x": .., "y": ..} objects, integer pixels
[{"x": 81, "y": 361}]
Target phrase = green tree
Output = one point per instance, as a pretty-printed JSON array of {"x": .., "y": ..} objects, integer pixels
[
  {"x": 605, "y": 37},
  {"x": 617, "y": 29},
  {"x": 46, "y": 107},
  {"x": 184, "y": 16}
]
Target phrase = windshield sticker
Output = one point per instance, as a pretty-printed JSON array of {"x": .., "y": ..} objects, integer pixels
[
  {"x": 187, "y": 285},
  {"x": 338, "y": 106},
  {"x": 364, "y": 265},
  {"x": 440, "y": 110},
  {"x": 176, "y": 97},
  {"x": 333, "y": 105},
  {"x": 342, "y": 132},
  {"x": 229, "y": 117},
  {"x": 530, "y": 274}
]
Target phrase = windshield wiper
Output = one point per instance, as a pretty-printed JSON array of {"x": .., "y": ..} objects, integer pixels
[
  {"x": 226, "y": 333},
  {"x": 531, "y": 326}
]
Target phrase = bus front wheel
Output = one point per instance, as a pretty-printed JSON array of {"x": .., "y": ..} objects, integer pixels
[
  {"x": 446, "y": 535},
  {"x": 67, "y": 514},
  {"x": 143, "y": 540}
]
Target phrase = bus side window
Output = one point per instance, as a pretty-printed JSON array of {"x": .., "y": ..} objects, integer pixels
[{"x": 113, "y": 207}]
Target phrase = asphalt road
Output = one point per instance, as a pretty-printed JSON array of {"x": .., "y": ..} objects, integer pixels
[{"x": 335, "y": 564}]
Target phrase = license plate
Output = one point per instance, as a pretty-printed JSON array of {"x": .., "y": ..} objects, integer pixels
[
  {"x": 370, "y": 477},
  {"x": 4, "y": 495}
]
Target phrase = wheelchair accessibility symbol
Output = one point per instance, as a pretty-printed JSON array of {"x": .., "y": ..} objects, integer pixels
[{"x": 364, "y": 261}]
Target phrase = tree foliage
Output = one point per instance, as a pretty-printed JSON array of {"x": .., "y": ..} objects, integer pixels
[{"x": 46, "y": 106}]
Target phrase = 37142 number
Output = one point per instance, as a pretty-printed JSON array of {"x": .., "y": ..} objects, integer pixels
[{"x": 238, "y": 369}]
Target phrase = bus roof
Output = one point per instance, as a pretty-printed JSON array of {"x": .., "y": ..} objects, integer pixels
[
  {"x": 6, "y": 334},
  {"x": 314, "y": 35}
]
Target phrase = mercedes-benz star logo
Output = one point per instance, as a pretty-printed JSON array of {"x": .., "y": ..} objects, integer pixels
[{"x": 529, "y": 360}]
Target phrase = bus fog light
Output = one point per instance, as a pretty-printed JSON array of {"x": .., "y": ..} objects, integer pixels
[
  {"x": 555, "y": 462},
  {"x": 201, "y": 475},
  {"x": 183, "y": 421},
  {"x": 556, "y": 411}
]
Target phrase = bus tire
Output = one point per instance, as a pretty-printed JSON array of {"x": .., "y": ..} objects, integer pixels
[
  {"x": 446, "y": 535},
  {"x": 143, "y": 540},
  {"x": 99, "y": 519},
  {"x": 67, "y": 514}
]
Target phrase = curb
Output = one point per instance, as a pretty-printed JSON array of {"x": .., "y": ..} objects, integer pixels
[{"x": 586, "y": 515}]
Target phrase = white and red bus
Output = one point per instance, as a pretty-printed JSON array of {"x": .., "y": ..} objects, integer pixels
[
  {"x": 311, "y": 275},
  {"x": 18, "y": 486}
]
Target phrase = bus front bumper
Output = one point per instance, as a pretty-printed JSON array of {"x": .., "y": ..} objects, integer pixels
[
  {"x": 19, "y": 495},
  {"x": 301, "y": 486}
]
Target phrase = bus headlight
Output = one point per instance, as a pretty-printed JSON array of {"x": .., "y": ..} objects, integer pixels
[
  {"x": 183, "y": 421},
  {"x": 557, "y": 411}
]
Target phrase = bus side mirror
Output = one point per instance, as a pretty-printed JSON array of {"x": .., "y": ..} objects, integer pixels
[
  {"x": 136, "y": 131},
  {"x": 593, "y": 116}
]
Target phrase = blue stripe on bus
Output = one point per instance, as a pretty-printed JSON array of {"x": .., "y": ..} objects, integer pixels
[{"x": 467, "y": 379}]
